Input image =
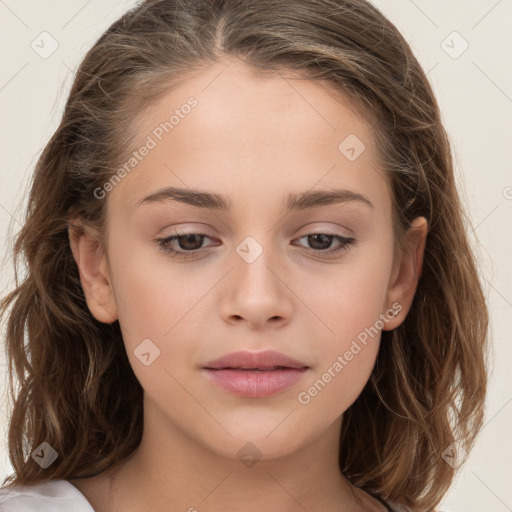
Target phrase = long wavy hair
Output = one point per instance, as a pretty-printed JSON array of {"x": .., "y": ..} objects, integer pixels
[{"x": 428, "y": 386}]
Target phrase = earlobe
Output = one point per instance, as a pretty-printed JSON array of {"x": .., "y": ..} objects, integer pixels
[
  {"x": 407, "y": 271},
  {"x": 92, "y": 264}
]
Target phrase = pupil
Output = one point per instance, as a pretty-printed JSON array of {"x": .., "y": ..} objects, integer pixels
[
  {"x": 189, "y": 238},
  {"x": 313, "y": 239}
]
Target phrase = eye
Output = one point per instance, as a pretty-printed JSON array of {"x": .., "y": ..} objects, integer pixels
[
  {"x": 182, "y": 244},
  {"x": 321, "y": 243}
]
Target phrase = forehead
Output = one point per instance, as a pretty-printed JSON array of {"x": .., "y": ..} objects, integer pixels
[{"x": 232, "y": 130}]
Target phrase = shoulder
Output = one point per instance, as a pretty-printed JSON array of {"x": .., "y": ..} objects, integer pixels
[{"x": 49, "y": 496}]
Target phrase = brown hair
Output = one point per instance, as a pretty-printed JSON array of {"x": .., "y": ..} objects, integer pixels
[{"x": 428, "y": 385}]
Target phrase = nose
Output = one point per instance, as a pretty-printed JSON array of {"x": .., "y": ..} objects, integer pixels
[{"x": 256, "y": 293}]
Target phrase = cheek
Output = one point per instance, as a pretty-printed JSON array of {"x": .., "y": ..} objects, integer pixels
[
  {"x": 156, "y": 312},
  {"x": 346, "y": 356},
  {"x": 152, "y": 294},
  {"x": 351, "y": 297},
  {"x": 350, "y": 306}
]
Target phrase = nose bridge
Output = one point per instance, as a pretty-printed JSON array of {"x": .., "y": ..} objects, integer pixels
[
  {"x": 255, "y": 288},
  {"x": 255, "y": 268}
]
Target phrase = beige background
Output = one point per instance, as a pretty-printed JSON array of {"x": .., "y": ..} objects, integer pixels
[{"x": 475, "y": 94}]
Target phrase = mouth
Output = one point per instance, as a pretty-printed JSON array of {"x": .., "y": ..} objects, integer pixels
[
  {"x": 244, "y": 360},
  {"x": 255, "y": 382},
  {"x": 269, "y": 369},
  {"x": 255, "y": 375}
]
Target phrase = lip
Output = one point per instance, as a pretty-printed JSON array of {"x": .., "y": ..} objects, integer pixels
[
  {"x": 265, "y": 360},
  {"x": 255, "y": 374}
]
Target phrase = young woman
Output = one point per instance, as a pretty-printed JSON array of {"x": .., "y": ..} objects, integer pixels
[{"x": 249, "y": 285}]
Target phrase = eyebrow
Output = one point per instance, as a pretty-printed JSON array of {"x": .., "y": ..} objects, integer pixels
[{"x": 293, "y": 201}]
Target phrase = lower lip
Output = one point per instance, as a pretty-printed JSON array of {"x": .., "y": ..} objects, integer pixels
[{"x": 255, "y": 384}]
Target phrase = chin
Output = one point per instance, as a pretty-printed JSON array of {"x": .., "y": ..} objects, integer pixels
[{"x": 253, "y": 441}]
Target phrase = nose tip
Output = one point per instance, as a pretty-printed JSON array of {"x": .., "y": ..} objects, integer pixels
[
  {"x": 257, "y": 320},
  {"x": 256, "y": 294}
]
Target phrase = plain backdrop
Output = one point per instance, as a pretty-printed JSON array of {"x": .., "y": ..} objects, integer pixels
[{"x": 465, "y": 46}]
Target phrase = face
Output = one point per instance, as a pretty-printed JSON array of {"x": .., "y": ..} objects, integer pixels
[{"x": 293, "y": 253}]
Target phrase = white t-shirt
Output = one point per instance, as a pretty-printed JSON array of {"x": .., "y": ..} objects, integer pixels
[{"x": 49, "y": 496}]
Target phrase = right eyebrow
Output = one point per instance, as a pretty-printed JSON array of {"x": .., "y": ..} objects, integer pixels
[{"x": 188, "y": 196}]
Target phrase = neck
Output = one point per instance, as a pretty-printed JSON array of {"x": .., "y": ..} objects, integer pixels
[{"x": 170, "y": 471}]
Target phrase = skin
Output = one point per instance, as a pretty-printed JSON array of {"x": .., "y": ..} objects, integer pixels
[{"x": 253, "y": 140}]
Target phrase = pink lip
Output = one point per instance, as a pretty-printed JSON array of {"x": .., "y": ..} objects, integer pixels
[
  {"x": 255, "y": 383},
  {"x": 255, "y": 374},
  {"x": 267, "y": 359}
]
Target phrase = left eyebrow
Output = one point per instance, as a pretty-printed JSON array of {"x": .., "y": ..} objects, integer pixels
[
  {"x": 314, "y": 199},
  {"x": 293, "y": 201}
]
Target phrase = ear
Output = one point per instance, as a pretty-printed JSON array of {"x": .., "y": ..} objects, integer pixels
[
  {"x": 91, "y": 259},
  {"x": 406, "y": 273}
]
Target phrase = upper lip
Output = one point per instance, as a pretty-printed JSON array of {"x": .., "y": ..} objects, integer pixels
[{"x": 254, "y": 360}]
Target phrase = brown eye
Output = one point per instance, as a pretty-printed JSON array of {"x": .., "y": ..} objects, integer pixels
[
  {"x": 182, "y": 244},
  {"x": 190, "y": 242},
  {"x": 320, "y": 243}
]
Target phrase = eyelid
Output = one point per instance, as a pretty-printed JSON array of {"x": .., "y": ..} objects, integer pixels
[
  {"x": 327, "y": 231},
  {"x": 194, "y": 229}
]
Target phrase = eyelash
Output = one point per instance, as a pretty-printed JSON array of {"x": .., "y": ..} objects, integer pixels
[{"x": 164, "y": 244}]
